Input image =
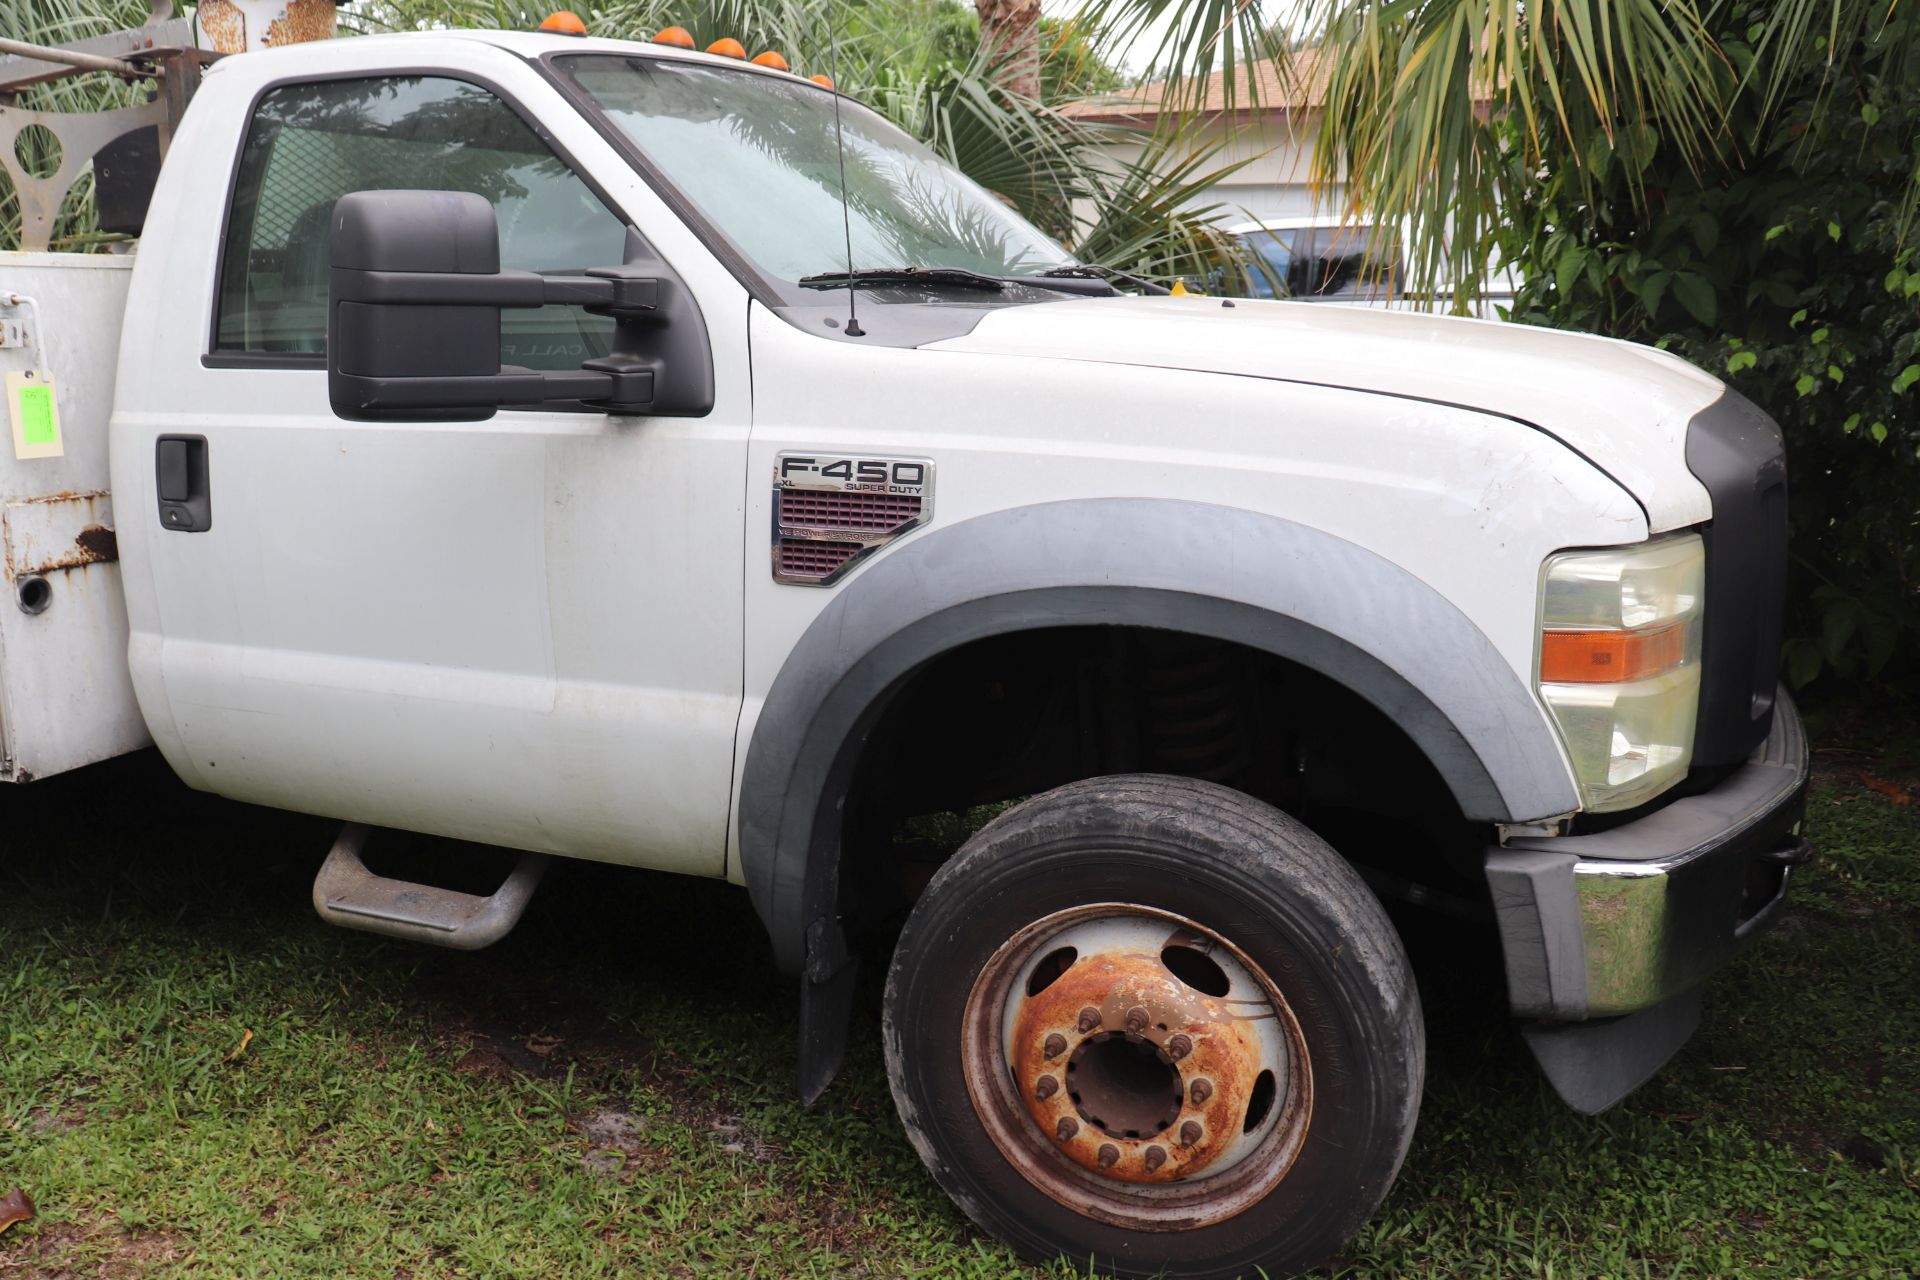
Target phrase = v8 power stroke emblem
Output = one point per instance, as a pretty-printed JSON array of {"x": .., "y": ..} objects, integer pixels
[{"x": 830, "y": 510}]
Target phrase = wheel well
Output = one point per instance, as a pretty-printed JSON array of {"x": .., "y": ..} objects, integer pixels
[{"x": 1013, "y": 715}]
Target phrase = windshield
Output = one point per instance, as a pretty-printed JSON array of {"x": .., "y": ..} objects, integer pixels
[{"x": 755, "y": 153}]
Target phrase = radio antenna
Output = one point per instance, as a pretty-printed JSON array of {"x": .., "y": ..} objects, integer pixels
[{"x": 853, "y": 329}]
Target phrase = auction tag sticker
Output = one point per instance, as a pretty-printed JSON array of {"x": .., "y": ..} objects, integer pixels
[{"x": 35, "y": 410}]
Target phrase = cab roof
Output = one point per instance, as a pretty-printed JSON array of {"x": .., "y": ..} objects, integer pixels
[{"x": 534, "y": 45}]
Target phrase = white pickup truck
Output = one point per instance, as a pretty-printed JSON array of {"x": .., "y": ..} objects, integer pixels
[{"x": 490, "y": 437}]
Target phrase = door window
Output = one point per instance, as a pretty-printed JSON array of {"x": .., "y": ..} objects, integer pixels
[{"x": 310, "y": 144}]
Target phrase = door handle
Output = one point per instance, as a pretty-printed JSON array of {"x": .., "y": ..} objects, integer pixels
[{"x": 180, "y": 481}]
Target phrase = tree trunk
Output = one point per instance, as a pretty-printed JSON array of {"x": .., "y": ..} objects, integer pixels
[{"x": 1010, "y": 37}]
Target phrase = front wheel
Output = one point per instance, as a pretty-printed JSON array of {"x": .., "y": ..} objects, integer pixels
[{"x": 1157, "y": 1023}]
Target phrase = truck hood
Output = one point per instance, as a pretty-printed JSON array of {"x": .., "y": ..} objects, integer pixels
[{"x": 1622, "y": 406}]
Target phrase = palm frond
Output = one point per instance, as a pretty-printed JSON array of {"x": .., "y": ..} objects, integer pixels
[
  {"x": 1197, "y": 39},
  {"x": 1431, "y": 107},
  {"x": 1799, "y": 33},
  {"x": 1154, "y": 217}
]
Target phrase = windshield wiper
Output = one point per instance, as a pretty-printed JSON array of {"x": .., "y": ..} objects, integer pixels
[
  {"x": 1107, "y": 274},
  {"x": 1068, "y": 279},
  {"x": 957, "y": 277}
]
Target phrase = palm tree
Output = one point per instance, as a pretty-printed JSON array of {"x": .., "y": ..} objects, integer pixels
[
  {"x": 1009, "y": 39},
  {"x": 1436, "y": 109}
]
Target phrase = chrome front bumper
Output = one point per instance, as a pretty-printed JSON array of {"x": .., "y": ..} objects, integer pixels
[{"x": 1623, "y": 920}]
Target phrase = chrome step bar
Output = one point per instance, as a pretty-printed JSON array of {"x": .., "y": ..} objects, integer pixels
[{"x": 347, "y": 894}]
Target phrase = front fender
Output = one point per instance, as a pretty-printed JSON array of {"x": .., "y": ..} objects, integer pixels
[{"x": 1192, "y": 567}]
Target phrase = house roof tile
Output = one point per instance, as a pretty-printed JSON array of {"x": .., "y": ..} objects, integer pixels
[{"x": 1303, "y": 85}]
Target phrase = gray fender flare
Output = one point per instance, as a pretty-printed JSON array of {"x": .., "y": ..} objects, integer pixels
[{"x": 1194, "y": 567}]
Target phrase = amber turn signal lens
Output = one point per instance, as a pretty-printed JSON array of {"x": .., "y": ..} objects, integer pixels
[
  {"x": 1609, "y": 657},
  {"x": 771, "y": 59},
  {"x": 678, "y": 37},
  {"x": 728, "y": 47},
  {"x": 825, "y": 82},
  {"x": 564, "y": 22}
]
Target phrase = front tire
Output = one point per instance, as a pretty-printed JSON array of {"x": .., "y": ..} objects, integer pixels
[{"x": 1157, "y": 1023}]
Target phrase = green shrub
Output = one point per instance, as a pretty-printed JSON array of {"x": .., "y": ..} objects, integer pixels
[{"x": 1789, "y": 271}]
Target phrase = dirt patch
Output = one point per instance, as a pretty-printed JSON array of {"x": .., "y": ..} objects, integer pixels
[
  {"x": 497, "y": 1020},
  {"x": 504, "y": 1025},
  {"x": 47, "y": 1122},
  {"x": 611, "y": 1127},
  {"x": 92, "y": 1250},
  {"x": 1856, "y": 762},
  {"x": 616, "y": 1142},
  {"x": 1863, "y": 1151},
  {"x": 736, "y": 1138},
  {"x": 1816, "y": 1147},
  {"x": 494, "y": 1052},
  {"x": 592, "y": 1047},
  {"x": 1840, "y": 766}
]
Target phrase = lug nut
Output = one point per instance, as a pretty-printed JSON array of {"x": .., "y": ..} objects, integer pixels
[
  {"x": 1045, "y": 1088},
  {"x": 1137, "y": 1019},
  {"x": 1055, "y": 1046},
  {"x": 1190, "y": 1133},
  {"x": 1179, "y": 1047},
  {"x": 1109, "y": 1155},
  {"x": 1156, "y": 1156},
  {"x": 1067, "y": 1127},
  {"x": 1201, "y": 1090},
  {"x": 1089, "y": 1019}
]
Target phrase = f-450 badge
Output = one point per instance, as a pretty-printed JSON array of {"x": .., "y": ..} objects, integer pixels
[{"x": 830, "y": 511}]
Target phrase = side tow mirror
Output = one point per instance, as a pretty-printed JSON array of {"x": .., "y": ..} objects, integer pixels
[{"x": 413, "y": 319}]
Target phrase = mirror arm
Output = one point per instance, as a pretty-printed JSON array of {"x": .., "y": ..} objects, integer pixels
[
  {"x": 621, "y": 292},
  {"x": 613, "y": 383},
  {"x": 450, "y": 288}
]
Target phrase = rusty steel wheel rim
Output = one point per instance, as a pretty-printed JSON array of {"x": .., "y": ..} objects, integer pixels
[{"x": 1136, "y": 1067}]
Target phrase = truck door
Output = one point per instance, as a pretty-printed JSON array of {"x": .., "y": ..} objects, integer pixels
[{"x": 524, "y": 631}]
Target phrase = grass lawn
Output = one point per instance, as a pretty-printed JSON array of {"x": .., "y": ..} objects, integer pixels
[{"x": 198, "y": 1078}]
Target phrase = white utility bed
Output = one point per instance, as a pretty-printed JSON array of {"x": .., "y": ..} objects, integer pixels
[{"x": 65, "y": 695}]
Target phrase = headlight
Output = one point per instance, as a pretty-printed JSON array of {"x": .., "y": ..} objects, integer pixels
[{"x": 1619, "y": 664}]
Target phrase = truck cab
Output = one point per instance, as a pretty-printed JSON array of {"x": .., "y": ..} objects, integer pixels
[{"x": 606, "y": 450}]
